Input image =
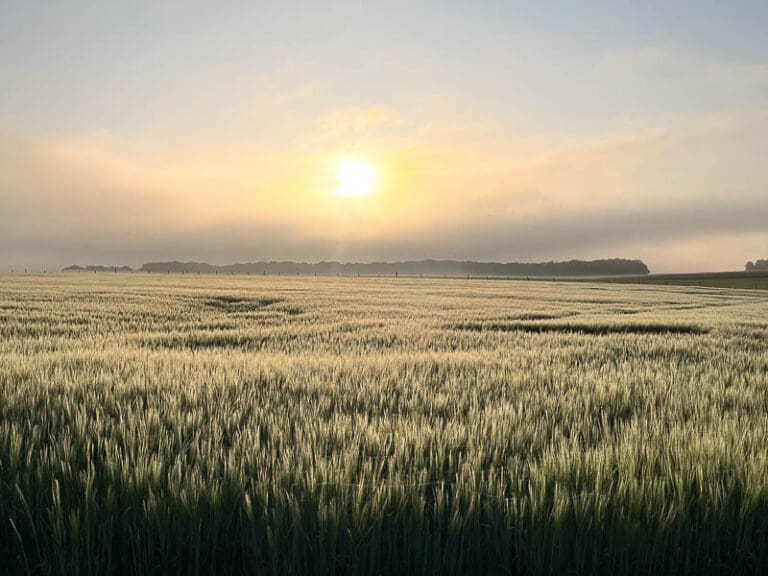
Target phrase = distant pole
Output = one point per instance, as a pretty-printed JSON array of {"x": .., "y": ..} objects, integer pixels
[
  {"x": 395, "y": 273},
  {"x": 25, "y": 270}
]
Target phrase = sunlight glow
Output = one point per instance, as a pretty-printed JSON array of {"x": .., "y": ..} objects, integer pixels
[{"x": 356, "y": 178}]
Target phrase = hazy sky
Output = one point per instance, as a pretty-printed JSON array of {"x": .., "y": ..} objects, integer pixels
[{"x": 498, "y": 131}]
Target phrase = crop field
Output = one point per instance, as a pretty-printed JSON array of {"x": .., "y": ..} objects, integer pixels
[
  {"x": 264, "y": 425},
  {"x": 722, "y": 280}
]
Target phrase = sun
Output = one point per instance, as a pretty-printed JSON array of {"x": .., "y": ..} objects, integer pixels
[{"x": 356, "y": 178}]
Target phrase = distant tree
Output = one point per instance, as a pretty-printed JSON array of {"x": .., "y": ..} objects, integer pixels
[
  {"x": 750, "y": 266},
  {"x": 758, "y": 266}
]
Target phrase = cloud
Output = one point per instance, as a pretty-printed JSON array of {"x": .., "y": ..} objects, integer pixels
[{"x": 596, "y": 232}]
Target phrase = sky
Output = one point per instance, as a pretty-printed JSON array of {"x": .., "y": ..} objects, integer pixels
[{"x": 504, "y": 131}]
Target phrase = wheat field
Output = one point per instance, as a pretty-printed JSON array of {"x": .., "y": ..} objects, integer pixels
[{"x": 264, "y": 425}]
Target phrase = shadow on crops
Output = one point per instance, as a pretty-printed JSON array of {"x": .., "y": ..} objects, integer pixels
[
  {"x": 539, "y": 315},
  {"x": 297, "y": 528},
  {"x": 208, "y": 340},
  {"x": 235, "y": 304},
  {"x": 592, "y": 329}
]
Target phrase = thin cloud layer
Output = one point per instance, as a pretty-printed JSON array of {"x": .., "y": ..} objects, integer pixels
[{"x": 628, "y": 195}]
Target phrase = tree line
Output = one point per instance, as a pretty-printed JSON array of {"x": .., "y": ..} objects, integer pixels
[{"x": 435, "y": 268}]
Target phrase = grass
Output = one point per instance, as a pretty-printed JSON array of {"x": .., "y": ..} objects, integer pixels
[{"x": 379, "y": 426}]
